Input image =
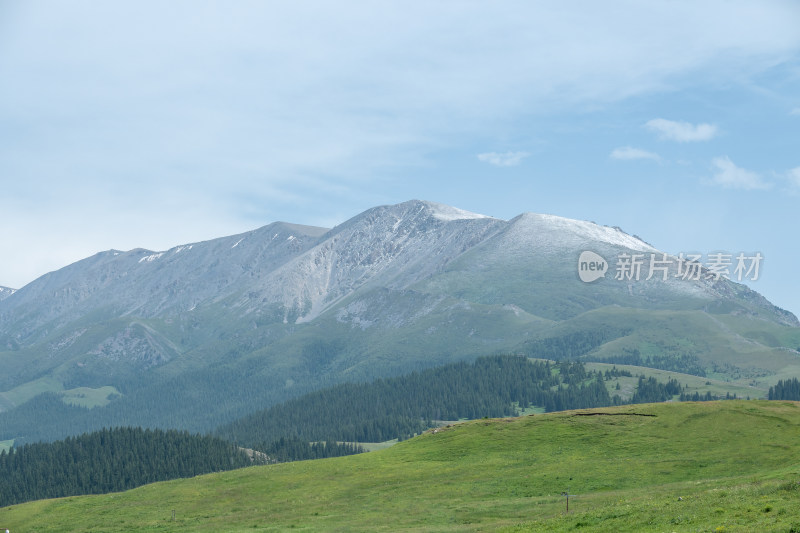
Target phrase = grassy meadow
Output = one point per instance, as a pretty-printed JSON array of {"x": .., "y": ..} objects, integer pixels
[{"x": 709, "y": 466}]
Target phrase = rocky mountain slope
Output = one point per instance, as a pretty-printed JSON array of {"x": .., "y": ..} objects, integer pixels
[
  {"x": 5, "y": 292},
  {"x": 205, "y": 331}
]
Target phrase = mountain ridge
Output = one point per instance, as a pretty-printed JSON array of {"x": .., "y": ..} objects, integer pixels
[
  {"x": 285, "y": 308},
  {"x": 5, "y": 292}
]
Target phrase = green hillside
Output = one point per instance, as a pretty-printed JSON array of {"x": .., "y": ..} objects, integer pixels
[
  {"x": 719, "y": 346},
  {"x": 711, "y": 466}
]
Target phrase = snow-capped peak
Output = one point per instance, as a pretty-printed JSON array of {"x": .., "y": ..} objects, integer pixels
[
  {"x": 448, "y": 213},
  {"x": 555, "y": 232},
  {"x": 614, "y": 236},
  {"x": 5, "y": 292}
]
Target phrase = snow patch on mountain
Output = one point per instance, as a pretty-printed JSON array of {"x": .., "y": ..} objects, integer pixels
[
  {"x": 150, "y": 258},
  {"x": 551, "y": 233},
  {"x": 5, "y": 292},
  {"x": 590, "y": 230},
  {"x": 448, "y": 213}
]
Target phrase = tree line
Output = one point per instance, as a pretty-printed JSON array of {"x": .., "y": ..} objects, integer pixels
[
  {"x": 398, "y": 408},
  {"x": 110, "y": 460},
  {"x": 707, "y": 397},
  {"x": 785, "y": 390},
  {"x": 650, "y": 390},
  {"x": 288, "y": 449}
]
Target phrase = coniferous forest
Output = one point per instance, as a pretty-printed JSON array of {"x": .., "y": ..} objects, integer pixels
[
  {"x": 110, "y": 460},
  {"x": 785, "y": 390},
  {"x": 293, "y": 449},
  {"x": 650, "y": 390},
  {"x": 400, "y": 407}
]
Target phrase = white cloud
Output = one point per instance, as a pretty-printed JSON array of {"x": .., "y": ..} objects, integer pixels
[
  {"x": 507, "y": 159},
  {"x": 794, "y": 178},
  {"x": 681, "y": 131},
  {"x": 732, "y": 177},
  {"x": 628, "y": 153},
  {"x": 795, "y": 111}
]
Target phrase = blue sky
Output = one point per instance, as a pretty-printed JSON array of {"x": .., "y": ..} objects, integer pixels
[{"x": 150, "y": 124}]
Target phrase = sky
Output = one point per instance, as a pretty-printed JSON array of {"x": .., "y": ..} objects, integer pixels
[{"x": 148, "y": 124}]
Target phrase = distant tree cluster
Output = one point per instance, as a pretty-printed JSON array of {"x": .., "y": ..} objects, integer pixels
[
  {"x": 785, "y": 390},
  {"x": 615, "y": 372},
  {"x": 110, "y": 460},
  {"x": 651, "y": 390},
  {"x": 707, "y": 397},
  {"x": 288, "y": 449},
  {"x": 403, "y": 406}
]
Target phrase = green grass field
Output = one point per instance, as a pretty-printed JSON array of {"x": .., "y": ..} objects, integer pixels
[{"x": 710, "y": 466}]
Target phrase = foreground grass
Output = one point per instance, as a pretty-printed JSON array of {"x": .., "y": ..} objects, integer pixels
[
  {"x": 707, "y": 506},
  {"x": 712, "y": 466}
]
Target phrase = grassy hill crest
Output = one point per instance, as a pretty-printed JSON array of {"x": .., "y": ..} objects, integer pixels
[{"x": 710, "y": 466}]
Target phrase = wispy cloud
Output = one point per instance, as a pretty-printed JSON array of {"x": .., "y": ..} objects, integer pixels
[
  {"x": 795, "y": 111},
  {"x": 507, "y": 159},
  {"x": 628, "y": 153},
  {"x": 732, "y": 177},
  {"x": 681, "y": 131},
  {"x": 794, "y": 178}
]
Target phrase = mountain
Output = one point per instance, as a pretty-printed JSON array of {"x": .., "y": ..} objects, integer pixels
[
  {"x": 203, "y": 333},
  {"x": 5, "y": 292}
]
